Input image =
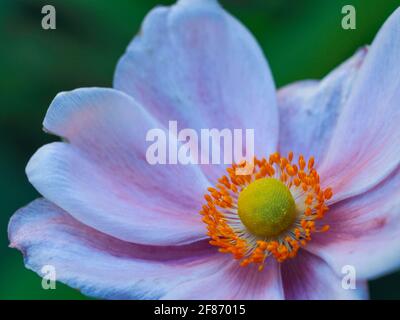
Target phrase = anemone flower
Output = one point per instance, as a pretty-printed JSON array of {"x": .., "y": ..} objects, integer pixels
[{"x": 324, "y": 193}]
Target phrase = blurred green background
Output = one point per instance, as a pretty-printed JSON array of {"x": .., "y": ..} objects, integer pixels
[{"x": 302, "y": 39}]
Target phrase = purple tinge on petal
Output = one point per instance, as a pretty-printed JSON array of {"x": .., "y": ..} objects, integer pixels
[
  {"x": 196, "y": 64},
  {"x": 309, "y": 109},
  {"x": 102, "y": 177},
  {"x": 308, "y": 277},
  {"x": 364, "y": 231},
  {"x": 234, "y": 282},
  {"x": 365, "y": 146},
  {"x": 102, "y": 266}
]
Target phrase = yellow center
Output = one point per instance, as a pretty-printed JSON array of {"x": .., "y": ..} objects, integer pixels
[
  {"x": 271, "y": 211},
  {"x": 266, "y": 207}
]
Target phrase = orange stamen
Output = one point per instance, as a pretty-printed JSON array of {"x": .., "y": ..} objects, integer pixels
[{"x": 229, "y": 234}]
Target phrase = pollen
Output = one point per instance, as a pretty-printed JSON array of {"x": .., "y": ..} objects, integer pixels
[{"x": 271, "y": 212}]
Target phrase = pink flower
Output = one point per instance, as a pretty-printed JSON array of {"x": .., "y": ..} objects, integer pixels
[{"x": 115, "y": 226}]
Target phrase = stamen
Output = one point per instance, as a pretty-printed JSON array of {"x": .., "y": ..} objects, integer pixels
[{"x": 228, "y": 232}]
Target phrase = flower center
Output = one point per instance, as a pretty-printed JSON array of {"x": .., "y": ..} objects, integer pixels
[
  {"x": 266, "y": 207},
  {"x": 271, "y": 211}
]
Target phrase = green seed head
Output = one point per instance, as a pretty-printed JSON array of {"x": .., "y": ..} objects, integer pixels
[{"x": 266, "y": 207}]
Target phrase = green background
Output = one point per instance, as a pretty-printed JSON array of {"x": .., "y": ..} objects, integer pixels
[{"x": 302, "y": 39}]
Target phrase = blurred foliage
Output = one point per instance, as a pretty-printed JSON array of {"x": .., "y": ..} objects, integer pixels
[{"x": 302, "y": 39}]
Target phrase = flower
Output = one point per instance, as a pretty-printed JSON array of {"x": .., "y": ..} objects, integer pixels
[{"x": 114, "y": 226}]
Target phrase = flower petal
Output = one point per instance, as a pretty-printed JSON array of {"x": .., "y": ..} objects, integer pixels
[
  {"x": 308, "y": 277},
  {"x": 102, "y": 176},
  {"x": 233, "y": 282},
  {"x": 196, "y": 64},
  {"x": 102, "y": 266},
  {"x": 364, "y": 231},
  {"x": 309, "y": 109},
  {"x": 364, "y": 148}
]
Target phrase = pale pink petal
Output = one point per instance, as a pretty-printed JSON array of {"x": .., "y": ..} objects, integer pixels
[
  {"x": 308, "y": 277},
  {"x": 365, "y": 146},
  {"x": 102, "y": 177},
  {"x": 309, "y": 109},
  {"x": 196, "y": 64},
  {"x": 102, "y": 266},
  {"x": 233, "y": 282},
  {"x": 364, "y": 231}
]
